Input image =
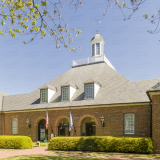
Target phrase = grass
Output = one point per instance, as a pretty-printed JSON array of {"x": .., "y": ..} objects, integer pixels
[
  {"x": 1, "y": 149},
  {"x": 45, "y": 157},
  {"x": 42, "y": 144},
  {"x": 108, "y": 154}
]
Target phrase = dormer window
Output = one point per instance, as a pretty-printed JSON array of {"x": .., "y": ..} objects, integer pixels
[
  {"x": 46, "y": 93},
  {"x": 65, "y": 93},
  {"x": 44, "y": 96},
  {"x": 89, "y": 91}
]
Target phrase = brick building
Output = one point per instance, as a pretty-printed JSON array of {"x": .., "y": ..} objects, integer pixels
[{"x": 92, "y": 88}]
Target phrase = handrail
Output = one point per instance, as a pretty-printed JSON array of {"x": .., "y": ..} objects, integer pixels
[{"x": 96, "y": 59}]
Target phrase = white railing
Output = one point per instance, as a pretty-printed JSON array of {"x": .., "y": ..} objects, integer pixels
[{"x": 88, "y": 60}]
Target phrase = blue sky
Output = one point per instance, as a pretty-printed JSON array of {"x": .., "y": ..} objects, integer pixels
[{"x": 132, "y": 51}]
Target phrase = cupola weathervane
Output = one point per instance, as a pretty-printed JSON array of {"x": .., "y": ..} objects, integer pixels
[{"x": 97, "y": 23}]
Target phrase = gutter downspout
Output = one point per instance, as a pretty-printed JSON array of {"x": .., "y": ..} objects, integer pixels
[
  {"x": 3, "y": 114},
  {"x": 150, "y": 113},
  {"x": 150, "y": 120}
]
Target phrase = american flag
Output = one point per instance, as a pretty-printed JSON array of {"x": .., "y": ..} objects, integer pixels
[{"x": 46, "y": 119}]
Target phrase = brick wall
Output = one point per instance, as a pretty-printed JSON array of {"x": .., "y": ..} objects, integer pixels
[
  {"x": 156, "y": 123},
  {"x": 114, "y": 120},
  {"x": 1, "y": 124}
]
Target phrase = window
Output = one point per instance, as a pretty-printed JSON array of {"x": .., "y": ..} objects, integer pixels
[
  {"x": 93, "y": 50},
  {"x": 44, "y": 96},
  {"x": 129, "y": 123},
  {"x": 65, "y": 93},
  {"x": 97, "y": 48},
  {"x": 14, "y": 126},
  {"x": 89, "y": 91}
]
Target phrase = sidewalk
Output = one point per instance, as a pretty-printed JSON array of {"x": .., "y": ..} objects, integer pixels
[{"x": 42, "y": 151}]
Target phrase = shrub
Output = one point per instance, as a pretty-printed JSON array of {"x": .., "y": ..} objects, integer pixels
[
  {"x": 16, "y": 142},
  {"x": 102, "y": 144}
]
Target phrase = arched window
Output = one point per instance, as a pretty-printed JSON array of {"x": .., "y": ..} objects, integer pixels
[
  {"x": 129, "y": 123},
  {"x": 63, "y": 128},
  {"x": 88, "y": 127},
  {"x": 14, "y": 126}
]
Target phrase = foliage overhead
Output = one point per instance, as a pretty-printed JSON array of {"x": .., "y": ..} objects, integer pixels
[
  {"x": 44, "y": 18},
  {"x": 36, "y": 18},
  {"x": 134, "y": 6}
]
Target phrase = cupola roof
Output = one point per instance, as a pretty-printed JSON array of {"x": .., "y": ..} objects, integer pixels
[{"x": 97, "y": 37}]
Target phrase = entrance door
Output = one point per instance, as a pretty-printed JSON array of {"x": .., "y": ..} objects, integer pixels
[
  {"x": 63, "y": 128},
  {"x": 42, "y": 131},
  {"x": 90, "y": 129}
]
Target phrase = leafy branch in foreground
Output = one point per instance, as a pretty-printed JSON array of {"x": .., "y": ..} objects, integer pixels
[
  {"x": 36, "y": 18},
  {"x": 134, "y": 6}
]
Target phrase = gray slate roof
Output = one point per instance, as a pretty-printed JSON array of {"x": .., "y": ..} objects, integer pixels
[
  {"x": 114, "y": 89},
  {"x": 1, "y": 98},
  {"x": 155, "y": 87}
]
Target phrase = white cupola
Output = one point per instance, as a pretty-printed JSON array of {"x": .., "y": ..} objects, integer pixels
[
  {"x": 97, "y": 43},
  {"x": 97, "y": 53}
]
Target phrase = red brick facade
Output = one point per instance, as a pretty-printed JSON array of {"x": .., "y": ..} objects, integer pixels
[
  {"x": 1, "y": 123},
  {"x": 114, "y": 120},
  {"x": 156, "y": 122}
]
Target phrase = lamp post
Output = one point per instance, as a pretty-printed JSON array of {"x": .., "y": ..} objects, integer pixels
[{"x": 102, "y": 120}]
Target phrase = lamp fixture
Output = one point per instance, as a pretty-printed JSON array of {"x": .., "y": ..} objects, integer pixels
[
  {"x": 27, "y": 121},
  {"x": 102, "y": 120}
]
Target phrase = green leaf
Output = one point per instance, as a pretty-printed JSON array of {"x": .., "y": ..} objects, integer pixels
[
  {"x": 2, "y": 23},
  {"x": 61, "y": 37},
  {"x": 123, "y": 4},
  {"x": 79, "y": 31},
  {"x": 43, "y": 3},
  {"x": 146, "y": 15},
  {"x": 36, "y": 5},
  {"x": 72, "y": 49},
  {"x": 70, "y": 39},
  {"x": 65, "y": 46}
]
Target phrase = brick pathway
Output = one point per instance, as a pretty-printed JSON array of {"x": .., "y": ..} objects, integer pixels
[{"x": 42, "y": 151}]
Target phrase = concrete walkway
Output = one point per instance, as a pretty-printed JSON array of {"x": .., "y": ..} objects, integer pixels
[{"x": 42, "y": 151}]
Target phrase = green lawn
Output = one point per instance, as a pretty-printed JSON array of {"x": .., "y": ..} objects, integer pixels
[
  {"x": 42, "y": 144},
  {"x": 108, "y": 154},
  {"x": 45, "y": 157}
]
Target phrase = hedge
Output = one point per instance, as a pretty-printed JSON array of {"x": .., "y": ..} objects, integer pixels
[
  {"x": 102, "y": 144},
  {"x": 16, "y": 142}
]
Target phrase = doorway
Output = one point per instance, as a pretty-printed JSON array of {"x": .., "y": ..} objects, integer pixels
[{"x": 42, "y": 131}]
